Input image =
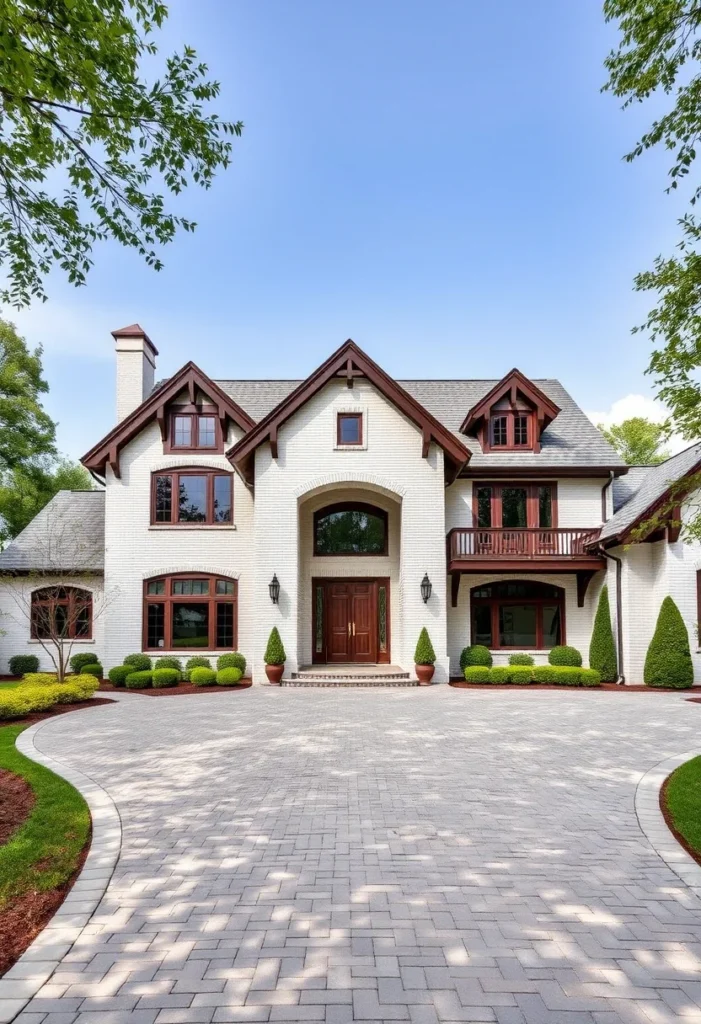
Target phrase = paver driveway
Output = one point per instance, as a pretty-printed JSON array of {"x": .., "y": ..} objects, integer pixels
[{"x": 421, "y": 855}]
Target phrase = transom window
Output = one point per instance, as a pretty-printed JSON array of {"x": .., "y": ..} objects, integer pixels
[
  {"x": 349, "y": 428},
  {"x": 192, "y": 496},
  {"x": 197, "y": 611},
  {"x": 518, "y": 614},
  {"x": 510, "y": 430},
  {"x": 192, "y": 431},
  {"x": 350, "y": 528},
  {"x": 61, "y": 612},
  {"x": 515, "y": 506}
]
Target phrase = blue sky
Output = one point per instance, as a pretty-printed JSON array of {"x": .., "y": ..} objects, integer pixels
[{"x": 442, "y": 182}]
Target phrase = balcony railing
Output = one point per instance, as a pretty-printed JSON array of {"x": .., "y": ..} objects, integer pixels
[{"x": 467, "y": 543}]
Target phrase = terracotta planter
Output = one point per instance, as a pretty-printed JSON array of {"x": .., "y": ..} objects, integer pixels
[
  {"x": 424, "y": 673},
  {"x": 274, "y": 673}
]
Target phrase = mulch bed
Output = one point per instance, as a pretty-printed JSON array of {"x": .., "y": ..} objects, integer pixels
[
  {"x": 174, "y": 691},
  {"x": 25, "y": 917},
  {"x": 549, "y": 686},
  {"x": 670, "y": 823}
]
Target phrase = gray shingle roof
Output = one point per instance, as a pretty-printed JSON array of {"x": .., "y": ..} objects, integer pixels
[
  {"x": 68, "y": 534},
  {"x": 571, "y": 440},
  {"x": 649, "y": 488},
  {"x": 624, "y": 487}
]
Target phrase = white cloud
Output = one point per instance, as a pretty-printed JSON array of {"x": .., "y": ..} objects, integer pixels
[{"x": 639, "y": 405}]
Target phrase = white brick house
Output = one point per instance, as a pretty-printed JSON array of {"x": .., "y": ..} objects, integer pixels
[{"x": 350, "y": 490}]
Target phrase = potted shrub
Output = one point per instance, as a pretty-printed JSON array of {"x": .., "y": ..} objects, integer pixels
[
  {"x": 424, "y": 658},
  {"x": 274, "y": 657}
]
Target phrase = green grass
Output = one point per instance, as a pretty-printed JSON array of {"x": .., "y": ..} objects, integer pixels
[
  {"x": 683, "y": 795},
  {"x": 45, "y": 850},
  {"x": 11, "y": 684}
]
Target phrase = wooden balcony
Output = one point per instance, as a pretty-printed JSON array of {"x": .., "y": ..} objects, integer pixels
[{"x": 473, "y": 549}]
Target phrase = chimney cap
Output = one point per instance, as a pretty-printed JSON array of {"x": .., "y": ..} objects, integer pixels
[{"x": 135, "y": 331}]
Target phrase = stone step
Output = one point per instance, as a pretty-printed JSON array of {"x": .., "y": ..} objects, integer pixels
[
  {"x": 353, "y": 675},
  {"x": 350, "y": 681}
]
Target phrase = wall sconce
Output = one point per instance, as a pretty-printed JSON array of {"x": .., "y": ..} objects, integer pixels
[
  {"x": 274, "y": 588},
  {"x": 426, "y": 588}
]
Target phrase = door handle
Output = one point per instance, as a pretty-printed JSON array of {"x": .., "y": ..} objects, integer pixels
[
  {"x": 353, "y": 629},
  {"x": 349, "y": 629}
]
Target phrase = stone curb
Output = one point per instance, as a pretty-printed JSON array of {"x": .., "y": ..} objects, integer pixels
[
  {"x": 651, "y": 820},
  {"x": 36, "y": 965}
]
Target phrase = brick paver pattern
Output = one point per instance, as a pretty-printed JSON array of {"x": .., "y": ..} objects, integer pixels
[{"x": 402, "y": 855}]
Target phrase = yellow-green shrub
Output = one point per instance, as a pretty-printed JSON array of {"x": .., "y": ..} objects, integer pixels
[
  {"x": 39, "y": 679},
  {"x": 14, "y": 704}
]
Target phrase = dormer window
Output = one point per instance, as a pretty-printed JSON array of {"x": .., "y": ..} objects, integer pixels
[
  {"x": 499, "y": 432},
  {"x": 511, "y": 416},
  {"x": 195, "y": 430},
  {"x": 510, "y": 430}
]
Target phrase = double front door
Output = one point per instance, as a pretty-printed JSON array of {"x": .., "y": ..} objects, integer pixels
[{"x": 346, "y": 626}]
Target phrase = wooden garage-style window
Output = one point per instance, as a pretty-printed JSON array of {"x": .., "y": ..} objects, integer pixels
[
  {"x": 518, "y": 615},
  {"x": 194, "y": 495},
  {"x": 190, "y": 611},
  {"x": 194, "y": 428},
  {"x": 64, "y": 612},
  {"x": 514, "y": 506}
]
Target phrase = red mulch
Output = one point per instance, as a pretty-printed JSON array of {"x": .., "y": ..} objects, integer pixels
[
  {"x": 16, "y": 802},
  {"x": 670, "y": 823},
  {"x": 173, "y": 691},
  {"x": 549, "y": 686}
]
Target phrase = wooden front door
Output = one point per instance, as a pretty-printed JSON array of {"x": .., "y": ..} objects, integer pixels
[{"x": 346, "y": 621}]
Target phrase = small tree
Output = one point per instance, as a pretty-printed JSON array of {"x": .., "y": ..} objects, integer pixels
[
  {"x": 51, "y": 597},
  {"x": 424, "y": 653},
  {"x": 602, "y": 649},
  {"x": 668, "y": 662},
  {"x": 275, "y": 651}
]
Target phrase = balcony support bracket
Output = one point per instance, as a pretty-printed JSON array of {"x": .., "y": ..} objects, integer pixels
[
  {"x": 583, "y": 581},
  {"x": 454, "y": 588}
]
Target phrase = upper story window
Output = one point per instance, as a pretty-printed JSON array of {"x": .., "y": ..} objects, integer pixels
[
  {"x": 350, "y": 528},
  {"x": 349, "y": 428},
  {"x": 185, "y": 496},
  {"x": 515, "y": 506},
  {"x": 61, "y": 612},
  {"x": 195, "y": 430},
  {"x": 510, "y": 430}
]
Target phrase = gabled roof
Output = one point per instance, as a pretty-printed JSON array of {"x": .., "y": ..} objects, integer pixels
[
  {"x": 349, "y": 361},
  {"x": 652, "y": 491},
  {"x": 190, "y": 377},
  {"x": 513, "y": 382},
  {"x": 68, "y": 535}
]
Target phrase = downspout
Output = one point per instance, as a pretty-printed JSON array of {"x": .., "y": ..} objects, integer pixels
[{"x": 619, "y": 611}]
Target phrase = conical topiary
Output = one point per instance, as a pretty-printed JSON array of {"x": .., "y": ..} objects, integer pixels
[
  {"x": 274, "y": 652},
  {"x": 668, "y": 662},
  {"x": 424, "y": 653},
  {"x": 602, "y": 649}
]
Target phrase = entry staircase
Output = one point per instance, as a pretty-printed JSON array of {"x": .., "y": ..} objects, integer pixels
[{"x": 349, "y": 675}]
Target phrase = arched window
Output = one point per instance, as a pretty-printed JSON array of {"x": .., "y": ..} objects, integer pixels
[
  {"x": 350, "y": 528},
  {"x": 518, "y": 614},
  {"x": 61, "y": 613},
  {"x": 194, "y": 611}
]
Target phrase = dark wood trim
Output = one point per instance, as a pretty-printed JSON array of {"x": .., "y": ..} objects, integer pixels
[
  {"x": 495, "y": 603},
  {"x": 625, "y": 535},
  {"x": 456, "y": 454},
  {"x": 193, "y": 413},
  {"x": 455, "y": 588},
  {"x": 487, "y": 434},
  {"x": 546, "y": 564},
  {"x": 351, "y": 506},
  {"x": 513, "y": 382},
  {"x": 73, "y": 602},
  {"x": 349, "y": 416},
  {"x": 674, "y": 527},
  {"x": 532, "y": 502},
  {"x": 175, "y": 475},
  {"x": 168, "y": 599},
  {"x": 190, "y": 378},
  {"x": 383, "y": 658},
  {"x": 540, "y": 471},
  {"x": 584, "y": 578}
]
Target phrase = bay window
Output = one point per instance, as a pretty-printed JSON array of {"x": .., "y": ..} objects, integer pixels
[{"x": 194, "y": 611}]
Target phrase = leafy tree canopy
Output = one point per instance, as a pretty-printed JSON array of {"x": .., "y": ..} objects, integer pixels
[
  {"x": 26, "y": 431},
  {"x": 86, "y": 140},
  {"x": 637, "y": 440},
  {"x": 660, "y": 53},
  {"x": 26, "y": 489}
]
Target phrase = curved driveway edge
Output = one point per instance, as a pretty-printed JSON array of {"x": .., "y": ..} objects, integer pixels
[
  {"x": 38, "y": 962},
  {"x": 651, "y": 819}
]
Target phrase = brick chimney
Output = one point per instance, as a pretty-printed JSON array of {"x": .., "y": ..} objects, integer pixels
[{"x": 136, "y": 367}]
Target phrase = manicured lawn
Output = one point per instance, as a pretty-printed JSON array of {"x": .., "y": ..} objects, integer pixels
[
  {"x": 44, "y": 852},
  {"x": 10, "y": 684},
  {"x": 683, "y": 799}
]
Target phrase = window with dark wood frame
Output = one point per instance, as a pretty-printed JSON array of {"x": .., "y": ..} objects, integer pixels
[
  {"x": 357, "y": 525},
  {"x": 193, "y": 495},
  {"x": 64, "y": 612},
  {"x": 349, "y": 428},
  {"x": 518, "y": 615},
  {"x": 190, "y": 611},
  {"x": 514, "y": 505},
  {"x": 511, "y": 430},
  {"x": 193, "y": 429}
]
